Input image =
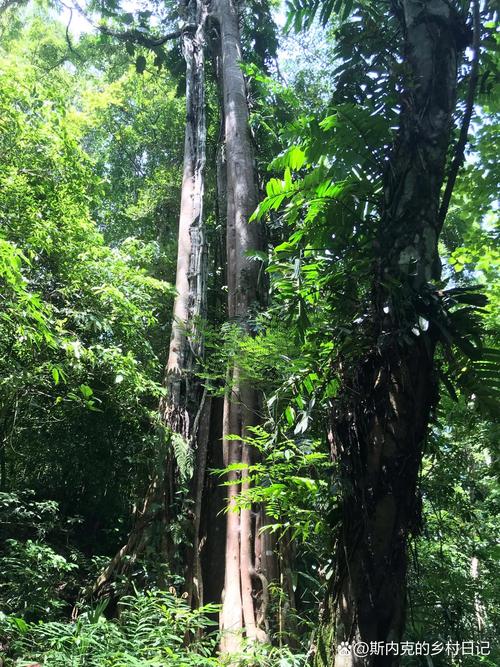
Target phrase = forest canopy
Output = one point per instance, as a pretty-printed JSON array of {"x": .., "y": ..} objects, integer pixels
[{"x": 249, "y": 336}]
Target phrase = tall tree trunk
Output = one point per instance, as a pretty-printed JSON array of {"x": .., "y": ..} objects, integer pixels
[
  {"x": 245, "y": 587},
  {"x": 380, "y": 423},
  {"x": 185, "y": 409},
  {"x": 186, "y": 341}
]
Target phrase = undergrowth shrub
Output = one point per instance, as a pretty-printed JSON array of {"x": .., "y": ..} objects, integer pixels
[
  {"x": 41, "y": 571},
  {"x": 152, "y": 629},
  {"x": 255, "y": 654},
  {"x": 33, "y": 578}
]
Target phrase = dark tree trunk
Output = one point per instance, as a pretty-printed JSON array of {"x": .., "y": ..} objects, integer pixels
[
  {"x": 213, "y": 529},
  {"x": 379, "y": 424}
]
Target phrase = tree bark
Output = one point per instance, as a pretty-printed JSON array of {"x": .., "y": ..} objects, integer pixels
[{"x": 380, "y": 422}]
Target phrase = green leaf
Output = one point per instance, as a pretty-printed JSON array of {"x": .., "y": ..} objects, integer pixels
[
  {"x": 289, "y": 415},
  {"x": 257, "y": 254},
  {"x": 86, "y": 391},
  {"x": 295, "y": 158}
]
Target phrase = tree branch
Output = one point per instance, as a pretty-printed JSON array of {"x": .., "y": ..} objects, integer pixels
[
  {"x": 135, "y": 34},
  {"x": 68, "y": 36}
]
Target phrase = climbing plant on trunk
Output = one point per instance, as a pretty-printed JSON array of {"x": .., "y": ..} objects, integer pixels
[
  {"x": 380, "y": 420},
  {"x": 378, "y": 211}
]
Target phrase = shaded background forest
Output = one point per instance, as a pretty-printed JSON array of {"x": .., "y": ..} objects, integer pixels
[{"x": 91, "y": 144}]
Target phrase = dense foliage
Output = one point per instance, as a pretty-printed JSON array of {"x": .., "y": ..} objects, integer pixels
[{"x": 90, "y": 177}]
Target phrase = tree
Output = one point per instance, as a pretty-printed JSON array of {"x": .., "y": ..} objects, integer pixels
[
  {"x": 185, "y": 410},
  {"x": 379, "y": 420},
  {"x": 241, "y": 400},
  {"x": 379, "y": 437}
]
